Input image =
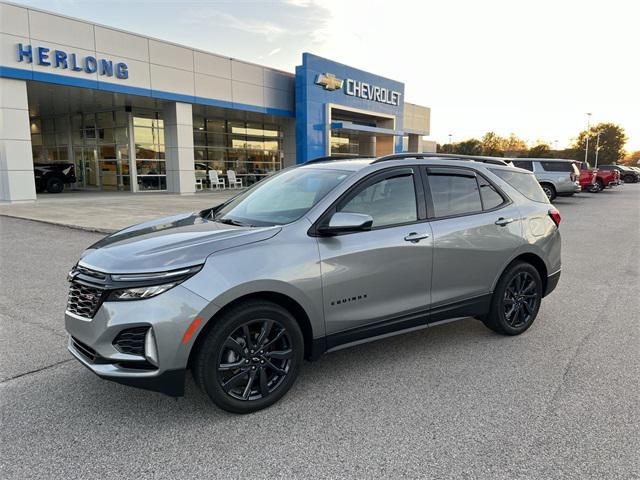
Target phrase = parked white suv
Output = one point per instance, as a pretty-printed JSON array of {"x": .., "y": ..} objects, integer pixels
[{"x": 557, "y": 177}]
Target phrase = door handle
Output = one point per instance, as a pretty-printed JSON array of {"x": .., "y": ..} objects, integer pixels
[
  {"x": 504, "y": 221},
  {"x": 415, "y": 237}
]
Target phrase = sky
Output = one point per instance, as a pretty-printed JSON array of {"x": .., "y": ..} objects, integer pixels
[{"x": 529, "y": 67}]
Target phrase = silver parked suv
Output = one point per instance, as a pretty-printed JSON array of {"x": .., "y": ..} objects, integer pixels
[
  {"x": 314, "y": 258},
  {"x": 557, "y": 177}
]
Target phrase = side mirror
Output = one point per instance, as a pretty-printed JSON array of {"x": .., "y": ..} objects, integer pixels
[{"x": 342, "y": 222}]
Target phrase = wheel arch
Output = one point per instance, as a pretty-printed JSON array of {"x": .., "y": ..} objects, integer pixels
[
  {"x": 531, "y": 258},
  {"x": 285, "y": 301}
]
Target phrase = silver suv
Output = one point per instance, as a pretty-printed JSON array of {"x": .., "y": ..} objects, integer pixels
[
  {"x": 557, "y": 177},
  {"x": 312, "y": 259}
]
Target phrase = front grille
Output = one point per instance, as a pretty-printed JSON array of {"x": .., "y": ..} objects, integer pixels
[
  {"x": 86, "y": 351},
  {"x": 131, "y": 341},
  {"x": 84, "y": 300}
]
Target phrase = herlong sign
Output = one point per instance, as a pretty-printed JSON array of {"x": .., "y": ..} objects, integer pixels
[{"x": 60, "y": 59}]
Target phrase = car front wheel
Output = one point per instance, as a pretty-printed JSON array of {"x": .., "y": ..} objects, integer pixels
[
  {"x": 516, "y": 300},
  {"x": 55, "y": 185},
  {"x": 250, "y": 357}
]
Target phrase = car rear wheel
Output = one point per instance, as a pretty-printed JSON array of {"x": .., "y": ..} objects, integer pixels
[
  {"x": 516, "y": 300},
  {"x": 549, "y": 191},
  {"x": 596, "y": 187},
  {"x": 55, "y": 185},
  {"x": 629, "y": 179},
  {"x": 250, "y": 357}
]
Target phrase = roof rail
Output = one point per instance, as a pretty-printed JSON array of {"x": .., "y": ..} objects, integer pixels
[
  {"x": 452, "y": 156},
  {"x": 337, "y": 156}
]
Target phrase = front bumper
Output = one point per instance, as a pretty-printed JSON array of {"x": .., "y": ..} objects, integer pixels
[{"x": 169, "y": 314}]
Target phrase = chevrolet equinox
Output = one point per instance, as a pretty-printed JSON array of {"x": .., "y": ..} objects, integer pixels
[{"x": 317, "y": 257}]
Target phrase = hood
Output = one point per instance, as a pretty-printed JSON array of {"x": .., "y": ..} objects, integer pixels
[{"x": 168, "y": 243}]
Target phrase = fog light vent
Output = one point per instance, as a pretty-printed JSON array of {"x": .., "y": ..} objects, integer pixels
[{"x": 131, "y": 341}]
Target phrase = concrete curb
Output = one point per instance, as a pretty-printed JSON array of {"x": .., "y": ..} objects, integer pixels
[{"x": 59, "y": 224}]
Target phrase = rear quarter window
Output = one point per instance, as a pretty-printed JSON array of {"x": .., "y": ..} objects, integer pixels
[
  {"x": 558, "y": 166},
  {"x": 525, "y": 183}
]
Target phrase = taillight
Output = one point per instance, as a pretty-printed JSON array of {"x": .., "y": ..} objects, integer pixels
[{"x": 555, "y": 216}]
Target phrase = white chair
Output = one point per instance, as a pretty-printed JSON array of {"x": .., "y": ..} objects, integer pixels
[
  {"x": 234, "y": 182},
  {"x": 199, "y": 180},
  {"x": 215, "y": 181}
]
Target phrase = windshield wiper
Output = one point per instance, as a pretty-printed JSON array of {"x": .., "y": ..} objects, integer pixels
[{"x": 231, "y": 221}]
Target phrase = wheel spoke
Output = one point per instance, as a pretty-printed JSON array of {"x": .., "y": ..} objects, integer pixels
[
  {"x": 264, "y": 332},
  {"x": 274, "y": 339},
  {"x": 280, "y": 354},
  {"x": 231, "y": 366},
  {"x": 530, "y": 286},
  {"x": 247, "y": 389},
  {"x": 527, "y": 307},
  {"x": 234, "y": 381},
  {"x": 247, "y": 336},
  {"x": 232, "y": 344},
  {"x": 509, "y": 301},
  {"x": 279, "y": 371},
  {"x": 264, "y": 387}
]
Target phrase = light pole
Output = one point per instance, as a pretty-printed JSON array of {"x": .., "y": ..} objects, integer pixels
[
  {"x": 597, "y": 148},
  {"x": 586, "y": 148},
  {"x": 450, "y": 137}
]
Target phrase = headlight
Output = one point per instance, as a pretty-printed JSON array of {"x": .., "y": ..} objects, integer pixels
[
  {"x": 140, "y": 293},
  {"x": 138, "y": 286}
]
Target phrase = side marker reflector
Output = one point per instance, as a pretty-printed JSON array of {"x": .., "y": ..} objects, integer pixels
[{"x": 192, "y": 328}]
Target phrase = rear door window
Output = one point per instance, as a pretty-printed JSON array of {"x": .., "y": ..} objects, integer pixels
[{"x": 453, "y": 193}]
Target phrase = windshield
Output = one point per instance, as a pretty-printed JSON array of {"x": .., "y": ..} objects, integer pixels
[{"x": 282, "y": 198}]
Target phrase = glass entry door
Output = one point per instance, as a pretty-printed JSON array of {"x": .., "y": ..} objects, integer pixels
[{"x": 86, "y": 168}]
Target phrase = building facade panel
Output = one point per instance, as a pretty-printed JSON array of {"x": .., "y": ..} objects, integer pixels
[
  {"x": 207, "y": 86},
  {"x": 121, "y": 44},
  {"x": 169, "y": 55},
  {"x": 61, "y": 30},
  {"x": 211, "y": 64},
  {"x": 167, "y": 79},
  {"x": 14, "y": 20},
  {"x": 247, "y": 73}
]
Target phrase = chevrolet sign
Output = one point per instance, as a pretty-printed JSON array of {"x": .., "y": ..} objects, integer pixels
[{"x": 355, "y": 88}]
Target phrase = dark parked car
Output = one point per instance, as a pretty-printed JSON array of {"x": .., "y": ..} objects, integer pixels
[
  {"x": 52, "y": 177},
  {"x": 627, "y": 174}
]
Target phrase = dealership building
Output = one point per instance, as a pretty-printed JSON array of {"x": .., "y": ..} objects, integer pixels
[{"x": 138, "y": 114}]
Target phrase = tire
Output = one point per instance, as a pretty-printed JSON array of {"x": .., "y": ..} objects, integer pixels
[
  {"x": 629, "y": 179},
  {"x": 238, "y": 381},
  {"x": 55, "y": 185},
  {"x": 597, "y": 187},
  {"x": 516, "y": 300},
  {"x": 549, "y": 191}
]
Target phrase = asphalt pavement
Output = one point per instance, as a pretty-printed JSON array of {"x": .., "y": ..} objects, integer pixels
[{"x": 453, "y": 401}]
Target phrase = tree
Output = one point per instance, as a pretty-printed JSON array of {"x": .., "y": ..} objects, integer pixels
[
  {"x": 492, "y": 145},
  {"x": 541, "y": 150},
  {"x": 473, "y": 146},
  {"x": 612, "y": 141},
  {"x": 633, "y": 159},
  {"x": 514, "y": 145},
  {"x": 446, "y": 148}
]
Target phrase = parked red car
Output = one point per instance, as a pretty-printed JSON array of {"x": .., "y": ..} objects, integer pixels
[
  {"x": 587, "y": 178},
  {"x": 603, "y": 178}
]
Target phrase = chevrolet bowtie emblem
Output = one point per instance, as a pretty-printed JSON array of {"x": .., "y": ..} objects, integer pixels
[{"x": 329, "y": 81}]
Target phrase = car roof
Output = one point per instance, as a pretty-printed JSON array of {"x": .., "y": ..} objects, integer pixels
[
  {"x": 546, "y": 159},
  {"x": 355, "y": 162}
]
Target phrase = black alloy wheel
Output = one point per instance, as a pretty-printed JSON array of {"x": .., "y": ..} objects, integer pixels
[
  {"x": 520, "y": 299},
  {"x": 596, "y": 187},
  {"x": 249, "y": 356},
  {"x": 516, "y": 300},
  {"x": 255, "y": 359}
]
